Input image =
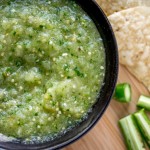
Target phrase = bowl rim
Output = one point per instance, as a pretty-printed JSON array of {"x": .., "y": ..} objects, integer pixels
[{"x": 82, "y": 133}]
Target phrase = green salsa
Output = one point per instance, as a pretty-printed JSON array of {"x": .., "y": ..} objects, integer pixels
[{"x": 51, "y": 70}]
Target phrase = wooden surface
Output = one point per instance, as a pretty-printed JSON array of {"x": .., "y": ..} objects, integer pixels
[{"x": 106, "y": 134}]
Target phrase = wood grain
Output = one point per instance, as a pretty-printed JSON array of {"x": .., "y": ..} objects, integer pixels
[{"x": 106, "y": 134}]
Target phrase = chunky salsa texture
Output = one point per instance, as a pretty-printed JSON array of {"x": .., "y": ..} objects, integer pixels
[{"x": 52, "y": 65}]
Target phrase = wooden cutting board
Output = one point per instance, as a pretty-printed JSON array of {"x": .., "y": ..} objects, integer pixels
[{"x": 106, "y": 134}]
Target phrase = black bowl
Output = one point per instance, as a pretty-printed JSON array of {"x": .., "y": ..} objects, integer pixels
[{"x": 105, "y": 30}]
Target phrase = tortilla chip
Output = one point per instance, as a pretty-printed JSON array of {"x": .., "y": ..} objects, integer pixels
[
  {"x": 132, "y": 30},
  {"x": 111, "y": 6}
]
